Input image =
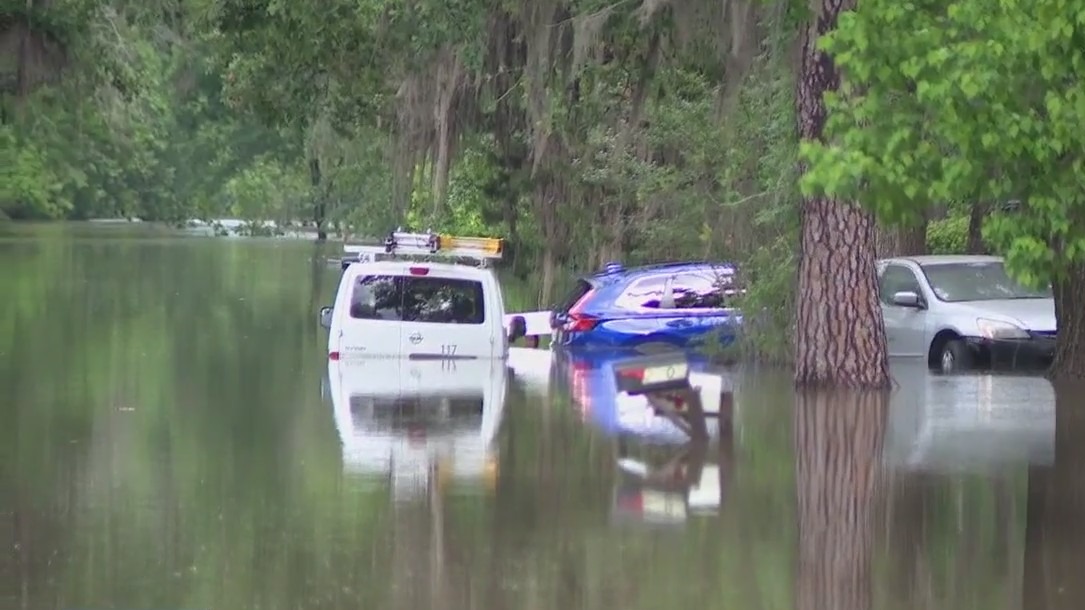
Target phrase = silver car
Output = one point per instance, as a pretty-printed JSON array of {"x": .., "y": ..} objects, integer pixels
[{"x": 961, "y": 311}]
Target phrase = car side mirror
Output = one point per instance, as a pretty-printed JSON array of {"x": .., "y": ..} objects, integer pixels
[
  {"x": 326, "y": 317},
  {"x": 907, "y": 298},
  {"x": 517, "y": 328}
]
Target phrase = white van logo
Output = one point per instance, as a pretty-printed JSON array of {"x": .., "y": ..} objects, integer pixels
[{"x": 415, "y": 338}]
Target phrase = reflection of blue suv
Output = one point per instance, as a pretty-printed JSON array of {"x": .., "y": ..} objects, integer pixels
[{"x": 673, "y": 304}]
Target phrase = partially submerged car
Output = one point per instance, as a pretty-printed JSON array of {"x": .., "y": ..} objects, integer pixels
[
  {"x": 962, "y": 311},
  {"x": 673, "y": 305},
  {"x": 395, "y": 300}
]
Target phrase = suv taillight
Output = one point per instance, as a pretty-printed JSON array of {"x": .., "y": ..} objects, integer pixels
[{"x": 579, "y": 323}]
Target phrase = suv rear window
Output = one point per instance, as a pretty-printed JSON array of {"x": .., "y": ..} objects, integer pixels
[
  {"x": 581, "y": 288},
  {"x": 438, "y": 300}
]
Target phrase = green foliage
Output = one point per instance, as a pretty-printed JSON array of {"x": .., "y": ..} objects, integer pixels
[
  {"x": 266, "y": 190},
  {"x": 593, "y": 131},
  {"x": 948, "y": 235},
  {"x": 965, "y": 101}
]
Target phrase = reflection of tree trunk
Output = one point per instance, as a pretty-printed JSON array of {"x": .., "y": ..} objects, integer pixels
[
  {"x": 410, "y": 559},
  {"x": 21, "y": 548},
  {"x": 841, "y": 336},
  {"x": 438, "y": 588},
  {"x": 907, "y": 534},
  {"x": 838, "y": 442},
  {"x": 1055, "y": 530}
]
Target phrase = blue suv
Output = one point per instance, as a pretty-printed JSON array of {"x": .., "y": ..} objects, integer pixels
[{"x": 674, "y": 305}]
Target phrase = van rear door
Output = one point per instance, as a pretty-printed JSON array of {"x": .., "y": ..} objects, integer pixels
[
  {"x": 446, "y": 317},
  {"x": 372, "y": 324}
]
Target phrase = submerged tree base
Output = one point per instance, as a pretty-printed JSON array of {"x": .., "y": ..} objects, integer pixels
[
  {"x": 840, "y": 335},
  {"x": 1069, "y": 294}
]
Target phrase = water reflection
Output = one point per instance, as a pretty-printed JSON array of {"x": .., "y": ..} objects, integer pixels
[
  {"x": 418, "y": 422},
  {"x": 163, "y": 445},
  {"x": 838, "y": 442},
  {"x": 969, "y": 423},
  {"x": 1055, "y": 530},
  {"x": 589, "y": 379}
]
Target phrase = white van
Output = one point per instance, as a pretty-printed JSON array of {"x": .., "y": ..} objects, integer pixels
[{"x": 420, "y": 309}]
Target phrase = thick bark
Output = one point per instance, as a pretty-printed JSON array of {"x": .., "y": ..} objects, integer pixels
[
  {"x": 1069, "y": 293},
  {"x": 38, "y": 54},
  {"x": 908, "y": 240},
  {"x": 976, "y": 214},
  {"x": 1055, "y": 532},
  {"x": 840, "y": 335},
  {"x": 838, "y": 443}
]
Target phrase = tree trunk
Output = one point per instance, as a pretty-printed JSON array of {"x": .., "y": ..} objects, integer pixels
[
  {"x": 545, "y": 298},
  {"x": 976, "y": 214},
  {"x": 1054, "y": 531},
  {"x": 1069, "y": 293},
  {"x": 840, "y": 338},
  {"x": 319, "y": 208},
  {"x": 838, "y": 442},
  {"x": 902, "y": 240}
]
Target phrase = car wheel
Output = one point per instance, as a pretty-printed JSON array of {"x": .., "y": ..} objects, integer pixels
[{"x": 955, "y": 356}]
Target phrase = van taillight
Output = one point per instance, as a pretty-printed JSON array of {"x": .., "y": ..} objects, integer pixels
[
  {"x": 333, "y": 355},
  {"x": 419, "y": 270}
]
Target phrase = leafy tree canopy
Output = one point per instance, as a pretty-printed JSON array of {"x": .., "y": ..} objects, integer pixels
[{"x": 970, "y": 100}]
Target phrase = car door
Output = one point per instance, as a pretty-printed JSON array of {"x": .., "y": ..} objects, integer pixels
[
  {"x": 445, "y": 315},
  {"x": 904, "y": 326},
  {"x": 371, "y": 324}
]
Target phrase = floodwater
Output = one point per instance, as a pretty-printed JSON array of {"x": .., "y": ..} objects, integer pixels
[{"x": 173, "y": 437}]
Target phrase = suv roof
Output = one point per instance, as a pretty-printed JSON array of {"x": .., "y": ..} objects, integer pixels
[{"x": 625, "y": 273}]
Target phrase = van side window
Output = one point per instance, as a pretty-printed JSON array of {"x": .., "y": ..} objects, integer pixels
[
  {"x": 376, "y": 297},
  {"x": 443, "y": 300}
]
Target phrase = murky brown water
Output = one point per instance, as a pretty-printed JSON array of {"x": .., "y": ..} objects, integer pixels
[{"x": 174, "y": 438}]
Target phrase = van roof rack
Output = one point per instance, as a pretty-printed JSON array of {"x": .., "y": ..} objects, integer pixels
[{"x": 400, "y": 243}]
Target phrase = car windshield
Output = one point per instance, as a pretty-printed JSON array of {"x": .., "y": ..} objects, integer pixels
[{"x": 986, "y": 281}]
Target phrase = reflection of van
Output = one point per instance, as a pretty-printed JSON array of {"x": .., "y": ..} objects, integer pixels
[
  {"x": 418, "y": 422},
  {"x": 419, "y": 309}
]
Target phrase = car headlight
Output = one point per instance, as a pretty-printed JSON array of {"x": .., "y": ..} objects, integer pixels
[{"x": 994, "y": 329}]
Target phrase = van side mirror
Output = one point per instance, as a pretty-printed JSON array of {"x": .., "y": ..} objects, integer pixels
[
  {"x": 517, "y": 328},
  {"x": 326, "y": 317}
]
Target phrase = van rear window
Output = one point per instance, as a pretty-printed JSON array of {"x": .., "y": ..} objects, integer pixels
[{"x": 438, "y": 300}]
